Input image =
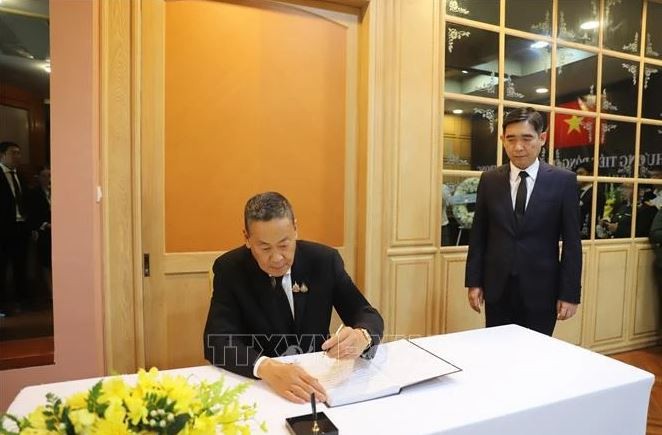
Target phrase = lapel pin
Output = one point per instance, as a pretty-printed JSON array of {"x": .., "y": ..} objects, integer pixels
[{"x": 296, "y": 288}]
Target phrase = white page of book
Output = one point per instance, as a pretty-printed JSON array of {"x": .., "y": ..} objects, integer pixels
[
  {"x": 395, "y": 365},
  {"x": 406, "y": 363},
  {"x": 345, "y": 381}
]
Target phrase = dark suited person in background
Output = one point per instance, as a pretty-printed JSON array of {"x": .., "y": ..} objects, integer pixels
[
  {"x": 14, "y": 231},
  {"x": 618, "y": 225},
  {"x": 655, "y": 238},
  {"x": 645, "y": 214},
  {"x": 39, "y": 219},
  {"x": 586, "y": 200},
  {"x": 274, "y": 296},
  {"x": 523, "y": 209}
]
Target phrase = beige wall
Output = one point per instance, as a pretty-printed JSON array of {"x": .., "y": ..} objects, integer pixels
[{"x": 76, "y": 215}]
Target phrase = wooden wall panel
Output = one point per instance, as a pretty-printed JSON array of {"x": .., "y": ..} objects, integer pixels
[
  {"x": 416, "y": 204},
  {"x": 646, "y": 295},
  {"x": 458, "y": 315},
  {"x": 122, "y": 271},
  {"x": 410, "y": 309},
  {"x": 571, "y": 330},
  {"x": 611, "y": 285},
  {"x": 186, "y": 299}
]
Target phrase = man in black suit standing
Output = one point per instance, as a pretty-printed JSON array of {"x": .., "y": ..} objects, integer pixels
[
  {"x": 14, "y": 231},
  {"x": 523, "y": 209},
  {"x": 39, "y": 220},
  {"x": 274, "y": 296},
  {"x": 586, "y": 200}
]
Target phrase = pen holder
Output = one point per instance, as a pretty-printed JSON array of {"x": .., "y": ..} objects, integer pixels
[{"x": 303, "y": 425}]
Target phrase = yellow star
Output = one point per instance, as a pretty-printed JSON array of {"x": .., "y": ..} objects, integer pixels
[{"x": 574, "y": 123}]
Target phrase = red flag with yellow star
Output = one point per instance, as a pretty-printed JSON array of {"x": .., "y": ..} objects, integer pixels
[{"x": 573, "y": 130}]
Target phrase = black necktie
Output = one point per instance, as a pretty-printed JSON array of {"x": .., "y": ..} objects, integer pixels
[
  {"x": 18, "y": 195},
  {"x": 282, "y": 303},
  {"x": 520, "y": 199}
]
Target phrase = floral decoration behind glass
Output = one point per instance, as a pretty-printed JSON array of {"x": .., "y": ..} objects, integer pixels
[
  {"x": 654, "y": 30},
  {"x": 486, "y": 11}
]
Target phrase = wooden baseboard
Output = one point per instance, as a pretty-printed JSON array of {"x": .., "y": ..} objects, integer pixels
[{"x": 27, "y": 352}]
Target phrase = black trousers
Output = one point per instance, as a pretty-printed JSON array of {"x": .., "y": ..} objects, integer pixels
[
  {"x": 13, "y": 257},
  {"x": 511, "y": 309}
]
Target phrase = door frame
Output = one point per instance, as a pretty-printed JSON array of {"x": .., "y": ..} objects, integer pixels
[{"x": 122, "y": 155}]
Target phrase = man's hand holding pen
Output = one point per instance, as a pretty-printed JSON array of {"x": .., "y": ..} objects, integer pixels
[
  {"x": 347, "y": 343},
  {"x": 295, "y": 384}
]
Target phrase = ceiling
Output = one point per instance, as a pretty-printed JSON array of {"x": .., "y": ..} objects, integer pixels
[{"x": 25, "y": 45}]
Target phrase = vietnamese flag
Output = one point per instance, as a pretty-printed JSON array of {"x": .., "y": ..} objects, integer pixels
[{"x": 573, "y": 130}]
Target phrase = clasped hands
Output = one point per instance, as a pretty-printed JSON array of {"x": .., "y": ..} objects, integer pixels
[{"x": 293, "y": 383}]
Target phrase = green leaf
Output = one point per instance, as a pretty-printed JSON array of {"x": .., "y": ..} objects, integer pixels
[
  {"x": 93, "y": 398},
  {"x": 178, "y": 424}
]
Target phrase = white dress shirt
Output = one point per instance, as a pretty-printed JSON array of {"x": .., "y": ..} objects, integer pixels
[{"x": 515, "y": 179}]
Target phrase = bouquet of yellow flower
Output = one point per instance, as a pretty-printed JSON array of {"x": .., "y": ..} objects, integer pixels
[{"x": 155, "y": 405}]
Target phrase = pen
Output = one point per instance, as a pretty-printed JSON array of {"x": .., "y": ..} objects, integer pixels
[
  {"x": 335, "y": 334},
  {"x": 316, "y": 428}
]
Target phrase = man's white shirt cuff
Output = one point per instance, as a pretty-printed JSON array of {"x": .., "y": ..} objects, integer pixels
[{"x": 259, "y": 361}]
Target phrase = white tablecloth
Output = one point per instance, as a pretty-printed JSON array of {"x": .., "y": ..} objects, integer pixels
[{"x": 514, "y": 382}]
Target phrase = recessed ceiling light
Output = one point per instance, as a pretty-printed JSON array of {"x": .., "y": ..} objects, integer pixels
[
  {"x": 458, "y": 111},
  {"x": 590, "y": 25},
  {"x": 541, "y": 90},
  {"x": 539, "y": 44},
  {"x": 464, "y": 71}
]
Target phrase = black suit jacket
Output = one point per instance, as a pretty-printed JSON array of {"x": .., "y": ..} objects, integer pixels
[
  {"x": 655, "y": 237},
  {"x": 39, "y": 213},
  {"x": 244, "y": 323},
  {"x": 498, "y": 245},
  {"x": 39, "y": 209},
  {"x": 585, "y": 207},
  {"x": 7, "y": 205}
]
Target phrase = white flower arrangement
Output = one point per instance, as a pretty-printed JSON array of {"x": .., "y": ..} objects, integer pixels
[{"x": 465, "y": 190}]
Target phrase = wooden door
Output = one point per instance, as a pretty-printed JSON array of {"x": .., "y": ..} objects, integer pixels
[{"x": 237, "y": 97}]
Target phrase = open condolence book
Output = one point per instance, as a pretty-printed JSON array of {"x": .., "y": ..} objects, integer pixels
[{"x": 396, "y": 365}]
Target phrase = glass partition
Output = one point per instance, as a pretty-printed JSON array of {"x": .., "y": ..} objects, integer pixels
[
  {"x": 470, "y": 135},
  {"x": 458, "y": 199},
  {"x": 26, "y": 314},
  {"x": 520, "y": 15},
  {"x": 578, "y": 21},
  {"x": 595, "y": 76},
  {"x": 472, "y": 66},
  {"x": 614, "y": 210},
  {"x": 528, "y": 64},
  {"x": 486, "y": 11}
]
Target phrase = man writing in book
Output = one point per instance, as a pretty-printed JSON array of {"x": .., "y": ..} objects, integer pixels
[
  {"x": 274, "y": 297},
  {"x": 523, "y": 209}
]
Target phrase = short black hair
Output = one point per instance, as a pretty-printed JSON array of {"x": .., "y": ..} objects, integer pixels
[
  {"x": 525, "y": 114},
  {"x": 267, "y": 206},
  {"x": 588, "y": 167},
  {"x": 648, "y": 195},
  {"x": 4, "y": 146}
]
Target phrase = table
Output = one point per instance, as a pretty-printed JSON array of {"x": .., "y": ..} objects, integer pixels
[{"x": 514, "y": 381}]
